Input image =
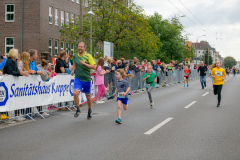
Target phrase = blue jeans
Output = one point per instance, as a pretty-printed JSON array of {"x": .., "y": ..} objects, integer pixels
[{"x": 203, "y": 80}]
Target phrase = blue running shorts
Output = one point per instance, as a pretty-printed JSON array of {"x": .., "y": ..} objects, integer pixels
[
  {"x": 82, "y": 86},
  {"x": 124, "y": 100}
]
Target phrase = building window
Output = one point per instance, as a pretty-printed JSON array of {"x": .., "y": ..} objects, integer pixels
[
  {"x": 62, "y": 45},
  {"x": 77, "y": 1},
  {"x": 56, "y": 47},
  {"x": 9, "y": 44},
  {"x": 50, "y": 15},
  {"x": 72, "y": 18},
  {"x": 62, "y": 18},
  {"x": 72, "y": 49},
  {"x": 50, "y": 46},
  {"x": 67, "y": 47},
  {"x": 56, "y": 17},
  {"x": 9, "y": 13},
  {"x": 67, "y": 18}
]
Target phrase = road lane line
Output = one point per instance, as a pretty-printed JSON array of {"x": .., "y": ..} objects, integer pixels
[
  {"x": 205, "y": 94},
  {"x": 190, "y": 104},
  {"x": 158, "y": 126}
]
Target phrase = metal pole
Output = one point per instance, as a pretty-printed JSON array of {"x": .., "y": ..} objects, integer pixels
[
  {"x": 81, "y": 22},
  {"x": 22, "y": 28},
  {"x": 208, "y": 56},
  {"x": 91, "y": 36}
]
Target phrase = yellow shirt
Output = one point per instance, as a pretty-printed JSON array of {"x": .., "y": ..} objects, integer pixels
[{"x": 218, "y": 73}]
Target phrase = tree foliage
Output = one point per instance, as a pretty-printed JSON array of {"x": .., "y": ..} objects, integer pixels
[
  {"x": 229, "y": 62},
  {"x": 205, "y": 57},
  {"x": 169, "y": 34},
  {"x": 132, "y": 32}
]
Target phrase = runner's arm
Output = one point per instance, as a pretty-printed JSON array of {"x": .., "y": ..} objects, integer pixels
[
  {"x": 127, "y": 91},
  {"x": 115, "y": 92}
]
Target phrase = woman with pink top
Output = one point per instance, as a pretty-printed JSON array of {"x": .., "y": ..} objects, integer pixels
[
  {"x": 50, "y": 69},
  {"x": 100, "y": 80}
]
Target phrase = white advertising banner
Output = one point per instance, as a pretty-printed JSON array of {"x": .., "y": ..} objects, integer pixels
[{"x": 23, "y": 92}]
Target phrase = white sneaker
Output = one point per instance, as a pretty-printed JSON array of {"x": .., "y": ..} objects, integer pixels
[
  {"x": 152, "y": 104},
  {"x": 9, "y": 121},
  {"x": 97, "y": 102},
  {"x": 101, "y": 101},
  {"x": 44, "y": 114},
  {"x": 18, "y": 119}
]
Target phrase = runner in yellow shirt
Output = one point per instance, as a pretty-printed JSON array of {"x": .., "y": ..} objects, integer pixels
[{"x": 218, "y": 74}]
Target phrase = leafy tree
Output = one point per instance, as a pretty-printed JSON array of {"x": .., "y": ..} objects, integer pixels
[
  {"x": 126, "y": 27},
  {"x": 189, "y": 52},
  {"x": 229, "y": 62},
  {"x": 204, "y": 58},
  {"x": 171, "y": 45}
]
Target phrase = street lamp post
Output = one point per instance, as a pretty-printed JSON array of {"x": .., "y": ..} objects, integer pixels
[
  {"x": 196, "y": 47},
  {"x": 91, "y": 14}
]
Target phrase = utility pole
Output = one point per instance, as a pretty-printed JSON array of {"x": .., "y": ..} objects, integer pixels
[
  {"x": 208, "y": 56},
  {"x": 81, "y": 22}
]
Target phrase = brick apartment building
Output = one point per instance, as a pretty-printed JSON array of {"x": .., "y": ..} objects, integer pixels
[{"x": 35, "y": 24}]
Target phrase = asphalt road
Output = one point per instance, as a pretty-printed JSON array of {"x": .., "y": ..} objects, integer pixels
[{"x": 183, "y": 125}]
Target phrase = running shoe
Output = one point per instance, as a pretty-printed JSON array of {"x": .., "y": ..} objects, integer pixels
[
  {"x": 152, "y": 104},
  {"x": 77, "y": 113},
  {"x": 202, "y": 87},
  {"x": 96, "y": 102},
  {"x": 218, "y": 105},
  {"x": 184, "y": 85},
  {"x": 89, "y": 114},
  {"x": 119, "y": 121},
  {"x": 205, "y": 85},
  {"x": 101, "y": 101},
  {"x": 187, "y": 85}
]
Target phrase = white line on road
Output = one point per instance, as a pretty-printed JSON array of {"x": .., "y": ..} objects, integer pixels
[
  {"x": 158, "y": 126},
  {"x": 190, "y": 104},
  {"x": 205, "y": 94}
]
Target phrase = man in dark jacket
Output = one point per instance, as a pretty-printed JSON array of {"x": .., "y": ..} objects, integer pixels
[{"x": 203, "y": 71}]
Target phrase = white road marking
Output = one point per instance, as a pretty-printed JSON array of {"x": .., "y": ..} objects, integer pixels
[
  {"x": 205, "y": 94},
  {"x": 158, "y": 126},
  {"x": 190, "y": 104}
]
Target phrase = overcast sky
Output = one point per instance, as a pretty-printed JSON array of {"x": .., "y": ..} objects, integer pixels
[{"x": 219, "y": 21}]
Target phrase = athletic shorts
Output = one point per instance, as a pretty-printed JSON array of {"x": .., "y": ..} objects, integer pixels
[
  {"x": 186, "y": 77},
  {"x": 124, "y": 100},
  {"x": 82, "y": 86}
]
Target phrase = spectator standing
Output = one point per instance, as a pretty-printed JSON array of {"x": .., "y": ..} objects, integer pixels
[
  {"x": 100, "y": 80},
  {"x": 2, "y": 64},
  {"x": 61, "y": 63},
  {"x": 32, "y": 63}
]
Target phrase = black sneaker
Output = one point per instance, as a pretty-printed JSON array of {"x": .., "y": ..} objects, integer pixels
[
  {"x": 205, "y": 85},
  {"x": 202, "y": 87},
  {"x": 218, "y": 105},
  {"x": 77, "y": 113},
  {"x": 89, "y": 114}
]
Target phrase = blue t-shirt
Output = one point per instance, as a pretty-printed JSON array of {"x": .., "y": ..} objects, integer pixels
[{"x": 32, "y": 66}]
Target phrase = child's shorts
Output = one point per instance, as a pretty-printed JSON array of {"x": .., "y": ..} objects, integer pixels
[{"x": 124, "y": 100}]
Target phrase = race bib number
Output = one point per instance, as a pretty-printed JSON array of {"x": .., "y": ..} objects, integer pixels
[
  {"x": 147, "y": 85},
  {"x": 120, "y": 95},
  {"x": 186, "y": 75},
  {"x": 217, "y": 73}
]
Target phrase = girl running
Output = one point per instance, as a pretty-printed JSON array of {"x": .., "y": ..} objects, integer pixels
[
  {"x": 150, "y": 77},
  {"x": 100, "y": 80},
  {"x": 186, "y": 75},
  {"x": 218, "y": 74},
  {"x": 122, "y": 90}
]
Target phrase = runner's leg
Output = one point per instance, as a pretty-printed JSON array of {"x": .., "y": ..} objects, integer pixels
[
  {"x": 119, "y": 103},
  {"x": 149, "y": 93},
  {"x": 219, "y": 93}
]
